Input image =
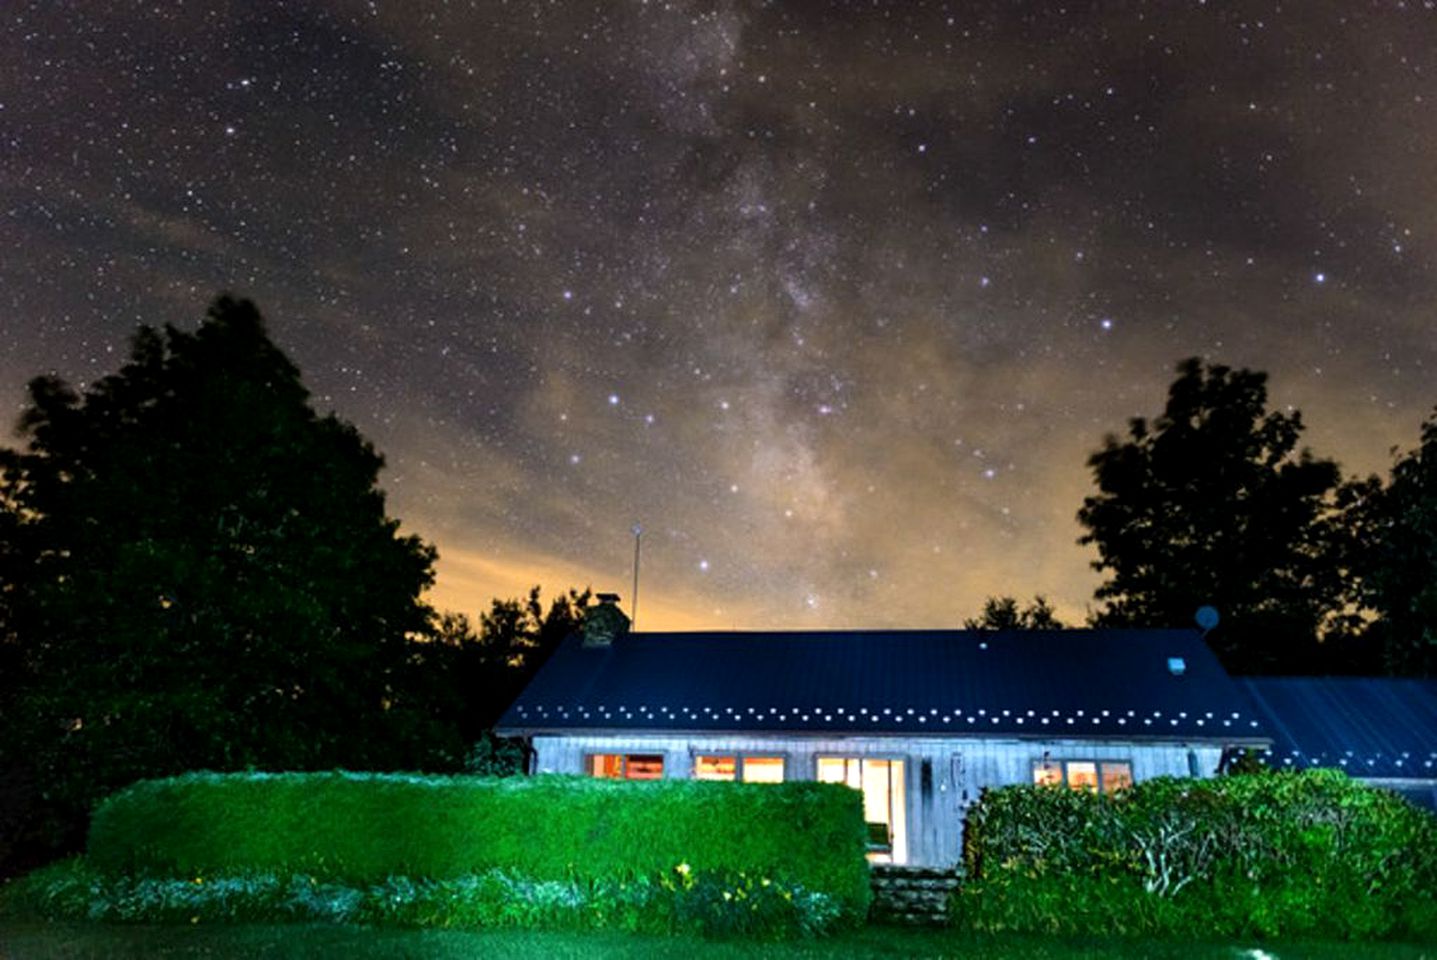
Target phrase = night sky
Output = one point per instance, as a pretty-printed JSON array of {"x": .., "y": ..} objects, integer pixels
[{"x": 836, "y": 300}]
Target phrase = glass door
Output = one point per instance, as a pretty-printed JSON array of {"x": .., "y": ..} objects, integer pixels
[{"x": 884, "y": 801}]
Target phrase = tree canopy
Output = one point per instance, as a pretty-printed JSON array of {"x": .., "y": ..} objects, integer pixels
[
  {"x": 207, "y": 577},
  {"x": 1214, "y": 503},
  {"x": 514, "y": 639},
  {"x": 1399, "y": 570},
  {"x": 1003, "y": 613}
]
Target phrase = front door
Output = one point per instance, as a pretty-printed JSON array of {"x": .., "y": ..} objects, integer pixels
[{"x": 884, "y": 801}]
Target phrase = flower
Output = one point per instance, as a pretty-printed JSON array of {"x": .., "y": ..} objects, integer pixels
[{"x": 682, "y": 869}]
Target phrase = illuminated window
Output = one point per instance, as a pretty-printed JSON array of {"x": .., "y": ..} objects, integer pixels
[
  {"x": 625, "y": 766},
  {"x": 715, "y": 768},
  {"x": 1116, "y": 776},
  {"x": 747, "y": 769},
  {"x": 606, "y": 765},
  {"x": 763, "y": 769},
  {"x": 1107, "y": 775},
  {"x": 1083, "y": 775},
  {"x": 1047, "y": 773}
]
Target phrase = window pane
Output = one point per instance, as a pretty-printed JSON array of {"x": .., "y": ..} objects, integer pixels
[
  {"x": 714, "y": 768},
  {"x": 763, "y": 769},
  {"x": 1116, "y": 776},
  {"x": 839, "y": 770},
  {"x": 898, "y": 818},
  {"x": 1047, "y": 773},
  {"x": 644, "y": 766},
  {"x": 876, "y": 798},
  {"x": 1082, "y": 775},
  {"x": 606, "y": 765}
]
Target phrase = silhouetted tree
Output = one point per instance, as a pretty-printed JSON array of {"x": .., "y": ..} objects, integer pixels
[
  {"x": 19, "y": 796},
  {"x": 488, "y": 667},
  {"x": 209, "y": 578},
  {"x": 1213, "y": 503},
  {"x": 12, "y": 565},
  {"x": 1003, "y": 613},
  {"x": 1398, "y": 522}
]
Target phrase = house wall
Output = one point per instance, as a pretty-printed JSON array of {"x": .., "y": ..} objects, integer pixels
[
  {"x": 957, "y": 769},
  {"x": 1419, "y": 790}
]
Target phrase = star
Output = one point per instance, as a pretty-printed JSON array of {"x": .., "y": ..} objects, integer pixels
[{"x": 637, "y": 257}]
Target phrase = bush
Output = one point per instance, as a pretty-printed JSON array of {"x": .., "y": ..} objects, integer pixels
[
  {"x": 714, "y": 904},
  {"x": 361, "y": 829},
  {"x": 1307, "y": 854},
  {"x": 493, "y": 756}
]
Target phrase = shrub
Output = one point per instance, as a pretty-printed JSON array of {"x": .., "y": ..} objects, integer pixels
[
  {"x": 1308, "y": 854},
  {"x": 493, "y": 756},
  {"x": 361, "y": 829}
]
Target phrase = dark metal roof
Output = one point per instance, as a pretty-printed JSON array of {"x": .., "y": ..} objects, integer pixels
[
  {"x": 1089, "y": 683},
  {"x": 1368, "y": 726}
]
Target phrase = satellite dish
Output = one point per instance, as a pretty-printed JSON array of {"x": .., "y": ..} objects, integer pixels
[{"x": 1207, "y": 617}]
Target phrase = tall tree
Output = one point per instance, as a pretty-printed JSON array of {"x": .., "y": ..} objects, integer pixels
[
  {"x": 1003, "y": 613},
  {"x": 1399, "y": 568},
  {"x": 210, "y": 578},
  {"x": 1213, "y": 503}
]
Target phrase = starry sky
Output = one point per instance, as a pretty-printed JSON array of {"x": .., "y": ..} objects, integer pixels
[{"x": 835, "y": 299}]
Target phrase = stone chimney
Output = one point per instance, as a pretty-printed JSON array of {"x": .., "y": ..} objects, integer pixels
[{"x": 604, "y": 622}]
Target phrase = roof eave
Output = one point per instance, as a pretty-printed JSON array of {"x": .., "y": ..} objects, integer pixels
[{"x": 1244, "y": 740}]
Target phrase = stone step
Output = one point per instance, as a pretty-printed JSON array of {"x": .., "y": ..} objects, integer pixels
[
  {"x": 916, "y": 884},
  {"x": 911, "y": 895}
]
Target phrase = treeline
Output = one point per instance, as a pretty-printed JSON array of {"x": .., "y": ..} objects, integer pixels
[{"x": 1214, "y": 503}]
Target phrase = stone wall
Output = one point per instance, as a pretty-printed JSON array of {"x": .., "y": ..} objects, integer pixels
[{"x": 917, "y": 895}]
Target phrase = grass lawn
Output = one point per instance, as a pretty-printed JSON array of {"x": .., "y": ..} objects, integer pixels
[{"x": 86, "y": 941}]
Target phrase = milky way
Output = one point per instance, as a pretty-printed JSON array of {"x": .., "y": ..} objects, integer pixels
[{"x": 834, "y": 300}]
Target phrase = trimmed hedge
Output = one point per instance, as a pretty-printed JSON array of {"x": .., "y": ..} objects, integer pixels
[
  {"x": 1311, "y": 854},
  {"x": 360, "y": 829}
]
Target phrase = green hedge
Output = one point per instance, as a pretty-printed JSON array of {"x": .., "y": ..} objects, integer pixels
[
  {"x": 360, "y": 829},
  {"x": 1308, "y": 854}
]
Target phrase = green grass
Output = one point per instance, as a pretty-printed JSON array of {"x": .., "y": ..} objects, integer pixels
[{"x": 87, "y": 941}]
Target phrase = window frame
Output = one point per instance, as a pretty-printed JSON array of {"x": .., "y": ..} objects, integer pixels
[
  {"x": 624, "y": 756},
  {"x": 739, "y": 758},
  {"x": 1099, "y": 766}
]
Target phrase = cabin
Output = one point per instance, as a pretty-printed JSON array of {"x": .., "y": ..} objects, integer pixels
[
  {"x": 1379, "y": 730},
  {"x": 918, "y": 721}
]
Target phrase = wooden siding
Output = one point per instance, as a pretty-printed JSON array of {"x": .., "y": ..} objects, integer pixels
[{"x": 943, "y": 776}]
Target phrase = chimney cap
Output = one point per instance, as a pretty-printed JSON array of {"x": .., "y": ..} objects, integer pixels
[{"x": 607, "y": 597}]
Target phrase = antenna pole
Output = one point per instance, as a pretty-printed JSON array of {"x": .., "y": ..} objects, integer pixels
[{"x": 638, "y": 536}]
